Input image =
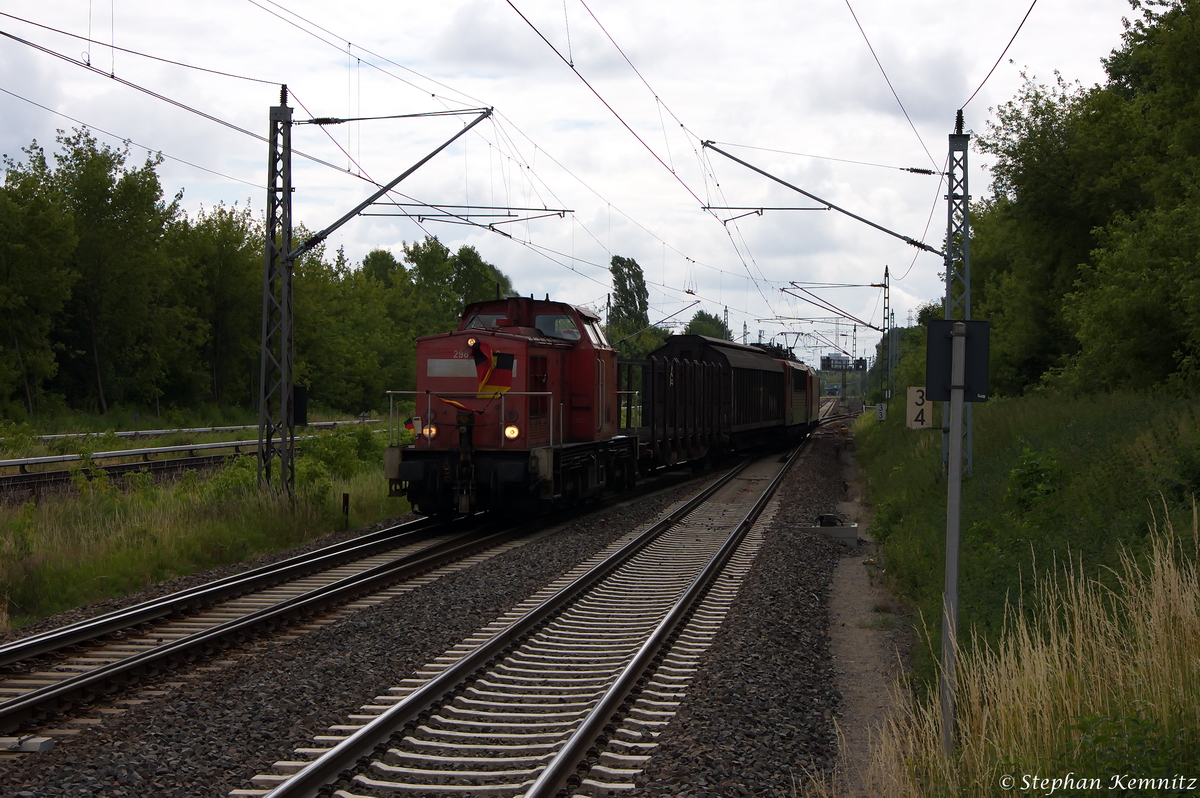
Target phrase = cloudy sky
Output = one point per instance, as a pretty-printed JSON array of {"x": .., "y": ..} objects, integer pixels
[{"x": 600, "y": 108}]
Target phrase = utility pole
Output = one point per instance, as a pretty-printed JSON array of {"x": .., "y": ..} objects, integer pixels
[
  {"x": 947, "y": 687},
  {"x": 276, "y": 418},
  {"x": 893, "y": 353},
  {"x": 887, "y": 335},
  {"x": 957, "y": 303},
  {"x": 276, "y": 410},
  {"x": 958, "y": 310}
]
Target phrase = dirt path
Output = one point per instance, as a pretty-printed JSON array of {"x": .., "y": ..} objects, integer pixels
[{"x": 867, "y": 640}]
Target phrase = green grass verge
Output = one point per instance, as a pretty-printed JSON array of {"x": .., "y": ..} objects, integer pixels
[
  {"x": 74, "y": 549},
  {"x": 1054, "y": 478},
  {"x": 1079, "y": 608}
]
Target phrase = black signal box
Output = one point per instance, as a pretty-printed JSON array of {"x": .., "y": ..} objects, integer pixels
[{"x": 938, "y": 348}]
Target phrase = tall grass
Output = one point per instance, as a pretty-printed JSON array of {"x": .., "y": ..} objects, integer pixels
[
  {"x": 1054, "y": 477},
  {"x": 103, "y": 541},
  {"x": 1093, "y": 679}
]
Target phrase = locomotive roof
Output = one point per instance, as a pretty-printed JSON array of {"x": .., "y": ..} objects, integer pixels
[{"x": 525, "y": 307}]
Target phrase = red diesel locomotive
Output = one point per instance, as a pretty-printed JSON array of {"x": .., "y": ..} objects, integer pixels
[{"x": 521, "y": 407}]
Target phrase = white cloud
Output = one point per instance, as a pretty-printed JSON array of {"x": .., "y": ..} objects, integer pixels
[{"x": 770, "y": 73}]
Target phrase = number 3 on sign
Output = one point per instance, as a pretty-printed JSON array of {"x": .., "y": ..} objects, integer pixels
[{"x": 920, "y": 410}]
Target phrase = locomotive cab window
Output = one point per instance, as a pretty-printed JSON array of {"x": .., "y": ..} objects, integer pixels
[
  {"x": 595, "y": 333},
  {"x": 557, "y": 326},
  {"x": 482, "y": 321}
]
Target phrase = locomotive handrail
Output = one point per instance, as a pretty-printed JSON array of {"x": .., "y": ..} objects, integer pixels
[{"x": 428, "y": 394}]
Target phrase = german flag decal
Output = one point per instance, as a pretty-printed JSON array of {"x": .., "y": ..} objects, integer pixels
[{"x": 494, "y": 369}]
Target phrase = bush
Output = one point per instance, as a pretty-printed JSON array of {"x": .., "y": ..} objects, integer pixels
[{"x": 1035, "y": 478}]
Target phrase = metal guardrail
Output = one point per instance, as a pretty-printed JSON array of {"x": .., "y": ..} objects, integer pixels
[
  {"x": 25, "y": 462},
  {"x": 158, "y": 433}
]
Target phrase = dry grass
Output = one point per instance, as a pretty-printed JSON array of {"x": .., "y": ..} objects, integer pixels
[{"x": 1089, "y": 680}]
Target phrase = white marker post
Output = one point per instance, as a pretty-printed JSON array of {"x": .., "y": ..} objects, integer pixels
[
  {"x": 958, "y": 368},
  {"x": 920, "y": 410}
]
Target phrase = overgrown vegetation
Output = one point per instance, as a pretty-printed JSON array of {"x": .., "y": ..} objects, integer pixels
[
  {"x": 1091, "y": 679},
  {"x": 104, "y": 541},
  {"x": 1052, "y": 481}
]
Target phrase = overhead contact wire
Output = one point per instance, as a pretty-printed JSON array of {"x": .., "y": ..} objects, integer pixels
[
  {"x": 131, "y": 141},
  {"x": 1001, "y": 58},
  {"x": 164, "y": 98},
  {"x": 889, "y": 83},
  {"x": 828, "y": 158},
  {"x": 141, "y": 54},
  {"x": 338, "y": 47},
  {"x": 600, "y": 97},
  {"x": 497, "y": 116},
  {"x": 670, "y": 169},
  {"x": 936, "y": 199}
]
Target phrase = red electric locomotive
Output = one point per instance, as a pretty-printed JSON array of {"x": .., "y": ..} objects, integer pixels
[{"x": 518, "y": 406}]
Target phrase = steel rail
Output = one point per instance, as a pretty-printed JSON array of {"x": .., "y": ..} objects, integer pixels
[
  {"x": 310, "y": 780},
  {"x": 561, "y": 771},
  {"x": 48, "y": 699},
  {"x": 220, "y": 590}
]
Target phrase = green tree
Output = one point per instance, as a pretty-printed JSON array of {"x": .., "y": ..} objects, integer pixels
[
  {"x": 381, "y": 265},
  {"x": 127, "y": 330},
  {"x": 221, "y": 254},
  {"x": 1083, "y": 259},
  {"x": 630, "y": 299},
  {"x": 476, "y": 280},
  {"x": 37, "y": 238},
  {"x": 434, "y": 306},
  {"x": 628, "y": 326},
  {"x": 707, "y": 324},
  {"x": 347, "y": 351},
  {"x": 1137, "y": 307}
]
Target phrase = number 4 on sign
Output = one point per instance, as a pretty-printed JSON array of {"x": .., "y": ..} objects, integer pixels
[{"x": 920, "y": 410}]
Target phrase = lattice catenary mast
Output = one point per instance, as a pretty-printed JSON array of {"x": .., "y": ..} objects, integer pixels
[
  {"x": 276, "y": 418},
  {"x": 957, "y": 303}
]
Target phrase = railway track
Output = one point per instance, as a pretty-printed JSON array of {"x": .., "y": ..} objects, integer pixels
[
  {"x": 66, "y": 672},
  {"x": 566, "y": 691},
  {"x": 45, "y": 676}
]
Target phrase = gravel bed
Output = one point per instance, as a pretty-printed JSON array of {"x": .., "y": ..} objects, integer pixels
[
  {"x": 219, "y": 729},
  {"x": 161, "y": 589},
  {"x": 760, "y": 710}
]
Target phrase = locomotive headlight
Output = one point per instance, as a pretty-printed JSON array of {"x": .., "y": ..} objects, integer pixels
[
  {"x": 430, "y": 431},
  {"x": 512, "y": 431},
  {"x": 471, "y": 341}
]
